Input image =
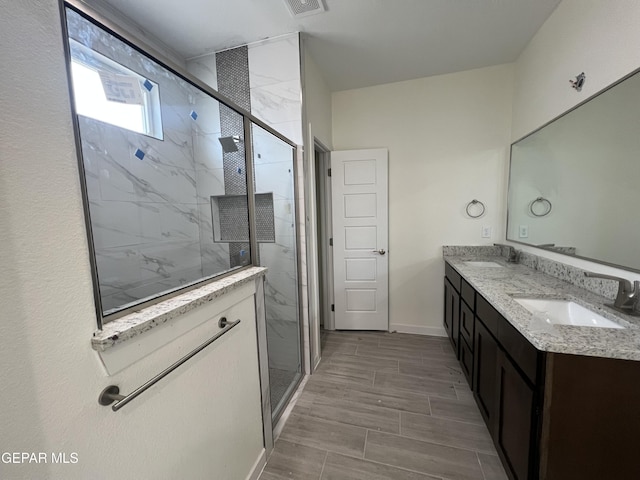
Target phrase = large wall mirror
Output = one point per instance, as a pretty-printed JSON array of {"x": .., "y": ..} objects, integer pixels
[{"x": 575, "y": 183}]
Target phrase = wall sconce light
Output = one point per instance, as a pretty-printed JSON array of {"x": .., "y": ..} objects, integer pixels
[{"x": 578, "y": 82}]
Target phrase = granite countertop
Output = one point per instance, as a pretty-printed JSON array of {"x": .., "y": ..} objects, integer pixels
[
  {"x": 499, "y": 286},
  {"x": 145, "y": 319}
]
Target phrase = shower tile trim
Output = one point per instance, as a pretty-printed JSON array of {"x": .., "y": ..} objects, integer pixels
[{"x": 143, "y": 320}]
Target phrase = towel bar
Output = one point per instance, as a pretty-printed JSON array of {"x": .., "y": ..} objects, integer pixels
[{"x": 112, "y": 392}]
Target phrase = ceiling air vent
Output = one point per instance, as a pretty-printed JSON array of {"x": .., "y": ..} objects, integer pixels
[{"x": 304, "y": 8}]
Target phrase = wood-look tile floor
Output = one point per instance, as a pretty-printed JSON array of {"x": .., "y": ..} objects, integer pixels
[{"x": 385, "y": 406}]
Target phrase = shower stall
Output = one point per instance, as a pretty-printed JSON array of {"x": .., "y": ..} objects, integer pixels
[{"x": 195, "y": 188}]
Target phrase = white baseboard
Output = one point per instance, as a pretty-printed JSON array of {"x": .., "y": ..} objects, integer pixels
[
  {"x": 418, "y": 330},
  {"x": 258, "y": 466}
]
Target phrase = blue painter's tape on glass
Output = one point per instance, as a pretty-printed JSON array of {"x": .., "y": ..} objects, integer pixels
[
  {"x": 193, "y": 114},
  {"x": 139, "y": 153},
  {"x": 148, "y": 85}
]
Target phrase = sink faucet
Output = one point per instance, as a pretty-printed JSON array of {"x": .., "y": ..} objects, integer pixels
[
  {"x": 627, "y": 298},
  {"x": 514, "y": 255}
]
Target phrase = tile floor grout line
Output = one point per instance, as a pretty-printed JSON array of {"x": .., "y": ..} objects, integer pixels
[
  {"x": 448, "y": 445},
  {"x": 431, "y": 442},
  {"x": 324, "y": 462},
  {"x": 366, "y": 437},
  {"x": 481, "y": 469},
  {"x": 454, "y": 420},
  {"x": 397, "y": 467}
]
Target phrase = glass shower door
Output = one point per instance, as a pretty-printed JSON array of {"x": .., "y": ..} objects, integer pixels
[{"x": 273, "y": 165}]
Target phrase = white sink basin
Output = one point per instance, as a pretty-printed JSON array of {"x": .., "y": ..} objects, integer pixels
[
  {"x": 565, "y": 312},
  {"x": 484, "y": 264}
]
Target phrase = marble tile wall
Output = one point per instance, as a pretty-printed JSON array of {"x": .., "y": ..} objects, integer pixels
[
  {"x": 274, "y": 81},
  {"x": 146, "y": 213},
  {"x": 275, "y": 87}
]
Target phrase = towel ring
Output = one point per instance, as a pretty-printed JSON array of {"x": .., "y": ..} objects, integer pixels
[
  {"x": 472, "y": 203},
  {"x": 543, "y": 201}
]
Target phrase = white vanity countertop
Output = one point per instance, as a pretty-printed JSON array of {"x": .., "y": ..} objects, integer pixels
[
  {"x": 499, "y": 285},
  {"x": 145, "y": 319}
]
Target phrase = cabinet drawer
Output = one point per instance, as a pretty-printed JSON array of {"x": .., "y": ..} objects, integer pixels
[
  {"x": 453, "y": 276},
  {"x": 519, "y": 349},
  {"x": 488, "y": 315},
  {"x": 468, "y": 294},
  {"x": 466, "y": 323}
]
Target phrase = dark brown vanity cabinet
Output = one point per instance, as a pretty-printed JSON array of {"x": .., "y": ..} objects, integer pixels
[
  {"x": 459, "y": 301},
  {"x": 508, "y": 379},
  {"x": 503, "y": 369},
  {"x": 552, "y": 416}
]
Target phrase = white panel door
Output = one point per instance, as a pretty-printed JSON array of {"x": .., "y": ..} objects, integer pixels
[{"x": 360, "y": 239}]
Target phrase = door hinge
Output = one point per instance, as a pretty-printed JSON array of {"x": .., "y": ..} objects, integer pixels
[
  {"x": 331, "y": 242},
  {"x": 329, "y": 172},
  {"x": 333, "y": 307}
]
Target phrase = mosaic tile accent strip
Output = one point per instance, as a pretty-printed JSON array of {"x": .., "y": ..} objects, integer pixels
[
  {"x": 232, "y": 67},
  {"x": 232, "y": 70},
  {"x": 265, "y": 218}
]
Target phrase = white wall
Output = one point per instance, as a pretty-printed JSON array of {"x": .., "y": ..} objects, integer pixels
[
  {"x": 595, "y": 37},
  {"x": 316, "y": 117},
  {"x": 586, "y": 164},
  {"x": 591, "y": 36},
  {"x": 317, "y": 101},
  {"x": 50, "y": 376},
  {"x": 448, "y": 140}
]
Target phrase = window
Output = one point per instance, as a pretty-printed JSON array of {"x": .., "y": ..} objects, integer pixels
[{"x": 112, "y": 93}]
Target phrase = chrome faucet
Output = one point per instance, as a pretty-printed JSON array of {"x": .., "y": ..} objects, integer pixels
[
  {"x": 627, "y": 297},
  {"x": 514, "y": 255}
]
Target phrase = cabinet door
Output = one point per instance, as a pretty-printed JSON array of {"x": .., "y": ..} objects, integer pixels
[
  {"x": 466, "y": 361},
  {"x": 448, "y": 313},
  {"x": 485, "y": 372},
  {"x": 516, "y": 420},
  {"x": 452, "y": 314},
  {"x": 455, "y": 321}
]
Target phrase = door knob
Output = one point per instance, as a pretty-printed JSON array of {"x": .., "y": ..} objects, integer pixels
[{"x": 381, "y": 251}]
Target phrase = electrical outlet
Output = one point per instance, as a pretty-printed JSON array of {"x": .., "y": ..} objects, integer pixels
[
  {"x": 524, "y": 231},
  {"x": 486, "y": 231}
]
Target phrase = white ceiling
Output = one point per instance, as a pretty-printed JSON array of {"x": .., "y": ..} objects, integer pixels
[{"x": 356, "y": 43}]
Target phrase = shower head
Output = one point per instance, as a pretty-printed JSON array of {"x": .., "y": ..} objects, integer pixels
[{"x": 230, "y": 144}]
